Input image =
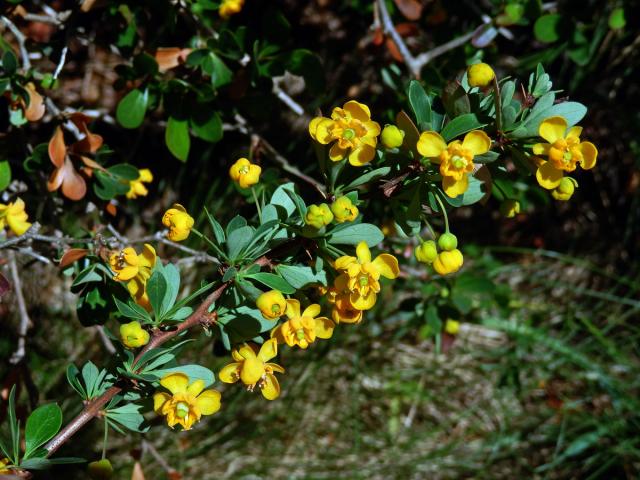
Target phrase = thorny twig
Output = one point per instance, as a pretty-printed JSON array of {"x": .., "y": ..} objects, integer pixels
[
  {"x": 20, "y": 38},
  {"x": 415, "y": 64},
  {"x": 25, "y": 321}
]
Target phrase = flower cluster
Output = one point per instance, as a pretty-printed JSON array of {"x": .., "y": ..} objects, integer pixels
[
  {"x": 135, "y": 269},
  {"x": 448, "y": 260},
  {"x": 137, "y": 187},
  {"x": 341, "y": 210},
  {"x": 14, "y": 216}
]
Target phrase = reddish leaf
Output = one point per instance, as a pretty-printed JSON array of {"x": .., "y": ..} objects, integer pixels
[
  {"x": 92, "y": 164},
  {"x": 393, "y": 50},
  {"x": 72, "y": 255},
  {"x": 111, "y": 208},
  {"x": 407, "y": 29},
  {"x": 378, "y": 37},
  {"x": 412, "y": 9},
  {"x": 73, "y": 185},
  {"x": 169, "y": 58},
  {"x": 5, "y": 286},
  {"x": 91, "y": 142},
  {"x": 57, "y": 149},
  {"x": 35, "y": 110}
]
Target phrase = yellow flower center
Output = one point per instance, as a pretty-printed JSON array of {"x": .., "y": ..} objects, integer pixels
[
  {"x": 182, "y": 410},
  {"x": 300, "y": 334},
  {"x": 244, "y": 170},
  {"x": 458, "y": 162},
  {"x": 349, "y": 133},
  {"x": 363, "y": 280},
  {"x": 275, "y": 309}
]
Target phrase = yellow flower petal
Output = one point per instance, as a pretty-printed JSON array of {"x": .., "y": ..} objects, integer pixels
[
  {"x": 431, "y": 144},
  {"x": 196, "y": 387},
  {"x": 477, "y": 142},
  {"x": 208, "y": 402},
  {"x": 251, "y": 371},
  {"x": 360, "y": 302},
  {"x": 313, "y": 125},
  {"x": 575, "y": 132},
  {"x": 268, "y": 350},
  {"x": 362, "y": 155},
  {"x": 312, "y": 311},
  {"x": 271, "y": 388},
  {"x": 159, "y": 399},
  {"x": 357, "y": 110},
  {"x": 589, "y": 155},
  {"x": 127, "y": 273},
  {"x": 175, "y": 382},
  {"x": 148, "y": 256},
  {"x": 336, "y": 153},
  {"x": 387, "y": 265},
  {"x": 548, "y": 176},
  {"x": 293, "y": 308},
  {"x": 453, "y": 187},
  {"x": 275, "y": 367},
  {"x": 324, "y": 327},
  {"x": 553, "y": 128},
  {"x": 363, "y": 252},
  {"x": 323, "y": 131},
  {"x": 541, "y": 148},
  {"x": 229, "y": 373},
  {"x": 342, "y": 263}
]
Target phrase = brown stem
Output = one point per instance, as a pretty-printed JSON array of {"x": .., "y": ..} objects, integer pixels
[{"x": 200, "y": 317}]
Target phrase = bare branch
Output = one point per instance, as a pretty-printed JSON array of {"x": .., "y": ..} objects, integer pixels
[
  {"x": 106, "y": 341},
  {"x": 285, "y": 98},
  {"x": 63, "y": 58},
  {"x": 25, "y": 321}
]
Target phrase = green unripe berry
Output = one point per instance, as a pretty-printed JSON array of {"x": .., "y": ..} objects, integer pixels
[
  {"x": 392, "y": 136},
  {"x": 448, "y": 242},
  {"x": 426, "y": 252},
  {"x": 100, "y": 470}
]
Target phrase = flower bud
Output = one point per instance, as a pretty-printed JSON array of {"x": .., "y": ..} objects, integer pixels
[
  {"x": 448, "y": 241},
  {"x": 480, "y": 75},
  {"x": 271, "y": 304},
  {"x": 344, "y": 210},
  {"x": 448, "y": 262},
  {"x": 392, "y": 136},
  {"x": 564, "y": 191},
  {"x": 318, "y": 216},
  {"x": 452, "y": 327},
  {"x": 179, "y": 223},
  {"x": 510, "y": 208},
  {"x": 133, "y": 335},
  {"x": 100, "y": 469},
  {"x": 426, "y": 252}
]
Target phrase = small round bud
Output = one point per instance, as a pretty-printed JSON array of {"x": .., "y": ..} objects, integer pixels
[
  {"x": 392, "y": 136},
  {"x": 426, "y": 252},
  {"x": 100, "y": 469},
  {"x": 448, "y": 242},
  {"x": 564, "y": 191},
  {"x": 480, "y": 75},
  {"x": 451, "y": 326}
]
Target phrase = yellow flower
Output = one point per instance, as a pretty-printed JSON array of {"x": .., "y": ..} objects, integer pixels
[
  {"x": 426, "y": 252},
  {"x": 480, "y": 75},
  {"x": 564, "y": 191},
  {"x": 271, "y": 304},
  {"x": 455, "y": 159},
  {"x": 448, "y": 262},
  {"x": 392, "y": 136},
  {"x": 136, "y": 187},
  {"x": 344, "y": 210},
  {"x": 133, "y": 335},
  {"x": 245, "y": 173},
  {"x": 252, "y": 368},
  {"x": 347, "y": 314},
  {"x": 353, "y": 131},
  {"x": 318, "y": 216},
  {"x": 230, "y": 7},
  {"x": 135, "y": 269},
  {"x": 564, "y": 151},
  {"x": 362, "y": 275},
  {"x": 302, "y": 329},
  {"x": 187, "y": 402},
  {"x": 452, "y": 327},
  {"x": 14, "y": 216},
  {"x": 178, "y": 221},
  {"x": 4, "y": 462},
  {"x": 510, "y": 208}
]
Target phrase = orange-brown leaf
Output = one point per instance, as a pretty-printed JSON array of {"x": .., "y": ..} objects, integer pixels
[
  {"x": 72, "y": 255},
  {"x": 57, "y": 148},
  {"x": 91, "y": 141},
  {"x": 393, "y": 50},
  {"x": 73, "y": 185},
  {"x": 35, "y": 110},
  {"x": 89, "y": 162},
  {"x": 171, "y": 57},
  {"x": 137, "y": 473},
  {"x": 412, "y": 9},
  {"x": 111, "y": 208}
]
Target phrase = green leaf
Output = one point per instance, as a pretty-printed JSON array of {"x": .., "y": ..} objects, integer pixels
[
  {"x": 9, "y": 62},
  {"x": 273, "y": 281},
  {"x": 194, "y": 372},
  {"x": 213, "y": 65},
  {"x": 459, "y": 125},
  {"x": 172, "y": 277},
  {"x": 124, "y": 171},
  {"x": 132, "y": 311},
  {"x": 43, "y": 423},
  {"x": 617, "y": 19},
  {"x": 299, "y": 277},
  {"x": 421, "y": 104},
  {"x": 177, "y": 138},
  {"x": 132, "y": 108},
  {"x": 129, "y": 416},
  {"x": 573, "y": 112},
  {"x": 238, "y": 240},
  {"x": 368, "y": 177},
  {"x": 455, "y": 99},
  {"x": 157, "y": 289},
  {"x": 474, "y": 193},
  {"x": 14, "y": 425},
  {"x": 206, "y": 124},
  {"x": 36, "y": 464},
  {"x": 218, "y": 231},
  {"x": 5, "y": 174},
  {"x": 548, "y": 28},
  {"x": 282, "y": 199},
  {"x": 354, "y": 234}
]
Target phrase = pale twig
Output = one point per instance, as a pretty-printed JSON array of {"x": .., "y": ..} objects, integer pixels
[
  {"x": 416, "y": 64},
  {"x": 146, "y": 445},
  {"x": 63, "y": 57},
  {"x": 286, "y": 99},
  {"x": 25, "y": 321},
  {"x": 68, "y": 124},
  {"x": 28, "y": 251},
  {"x": 106, "y": 341},
  {"x": 20, "y": 38}
]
